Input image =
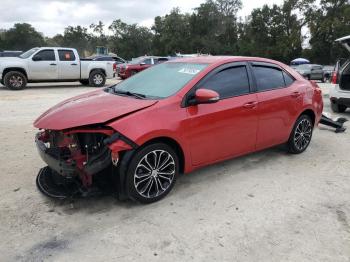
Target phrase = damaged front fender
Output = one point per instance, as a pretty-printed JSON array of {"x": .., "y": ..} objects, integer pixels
[{"x": 81, "y": 152}]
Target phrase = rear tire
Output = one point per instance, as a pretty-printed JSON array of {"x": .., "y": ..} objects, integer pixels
[
  {"x": 336, "y": 108},
  {"x": 152, "y": 173},
  {"x": 301, "y": 135},
  {"x": 97, "y": 78},
  {"x": 15, "y": 80}
]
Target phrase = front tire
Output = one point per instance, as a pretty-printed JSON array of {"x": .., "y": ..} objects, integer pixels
[
  {"x": 15, "y": 80},
  {"x": 336, "y": 108},
  {"x": 152, "y": 173},
  {"x": 301, "y": 135},
  {"x": 97, "y": 78}
]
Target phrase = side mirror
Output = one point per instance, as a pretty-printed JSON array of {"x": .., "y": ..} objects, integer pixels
[
  {"x": 205, "y": 96},
  {"x": 37, "y": 58},
  {"x": 142, "y": 64}
]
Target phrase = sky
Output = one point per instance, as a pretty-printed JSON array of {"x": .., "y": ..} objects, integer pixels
[{"x": 51, "y": 16}]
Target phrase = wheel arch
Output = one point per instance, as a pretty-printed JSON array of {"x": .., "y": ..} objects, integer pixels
[
  {"x": 11, "y": 69},
  {"x": 98, "y": 69},
  {"x": 310, "y": 113},
  {"x": 173, "y": 144}
]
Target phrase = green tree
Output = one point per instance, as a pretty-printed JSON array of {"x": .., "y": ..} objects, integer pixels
[
  {"x": 130, "y": 40},
  {"x": 274, "y": 32},
  {"x": 22, "y": 37},
  {"x": 172, "y": 33},
  {"x": 98, "y": 38},
  {"x": 327, "y": 23},
  {"x": 76, "y": 37}
]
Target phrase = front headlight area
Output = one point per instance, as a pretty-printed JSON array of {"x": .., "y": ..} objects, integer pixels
[{"x": 81, "y": 152}]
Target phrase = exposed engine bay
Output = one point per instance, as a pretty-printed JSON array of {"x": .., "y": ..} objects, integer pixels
[{"x": 75, "y": 157}]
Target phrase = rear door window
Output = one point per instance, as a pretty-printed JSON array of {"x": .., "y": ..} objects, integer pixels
[
  {"x": 66, "y": 55},
  {"x": 229, "y": 82},
  {"x": 268, "y": 78}
]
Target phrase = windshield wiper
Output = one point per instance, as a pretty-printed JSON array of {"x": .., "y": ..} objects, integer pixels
[{"x": 128, "y": 93}]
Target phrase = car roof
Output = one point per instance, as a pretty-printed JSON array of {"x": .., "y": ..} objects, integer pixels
[
  {"x": 222, "y": 60},
  {"x": 141, "y": 57}
]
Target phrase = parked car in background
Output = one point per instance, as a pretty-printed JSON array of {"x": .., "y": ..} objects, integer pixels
[
  {"x": 8, "y": 53},
  {"x": 174, "y": 118},
  {"x": 340, "y": 92},
  {"x": 298, "y": 61},
  {"x": 113, "y": 58},
  {"x": 311, "y": 71},
  {"x": 327, "y": 72},
  {"x": 139, "y": 64},
  {"x": 53, "y": 64},
  {"x": 116, "y": 59}
]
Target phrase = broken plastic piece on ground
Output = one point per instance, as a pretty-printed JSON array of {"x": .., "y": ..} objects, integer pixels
[
  {"x": 337, "y": 124},
  {"x": 57, "y": 186},
  {"x": 54, "y": 185}
]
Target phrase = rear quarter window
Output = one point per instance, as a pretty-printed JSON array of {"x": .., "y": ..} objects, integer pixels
[{"x": 288, "y": 79}]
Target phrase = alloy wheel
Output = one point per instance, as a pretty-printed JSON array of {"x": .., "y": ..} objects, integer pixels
[
  {"x": 154, "y": 173},
  {"x": 98, "y": 79},
  {"x": 16, "y": 81},
  {"x": 302, "y": 135}
]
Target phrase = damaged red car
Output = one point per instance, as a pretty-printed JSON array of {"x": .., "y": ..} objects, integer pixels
[{"x": 173, "y": 118}]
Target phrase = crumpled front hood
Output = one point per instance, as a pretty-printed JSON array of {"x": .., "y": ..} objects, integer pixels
[{"x": 92, "y": 108}]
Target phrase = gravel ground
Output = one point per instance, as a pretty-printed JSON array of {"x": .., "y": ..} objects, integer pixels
[{"x": 268, "y": 206}]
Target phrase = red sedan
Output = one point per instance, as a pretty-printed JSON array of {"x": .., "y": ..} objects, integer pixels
[
  {"x": 137, "y": 65},
  {"x": 174, "y": 118}
]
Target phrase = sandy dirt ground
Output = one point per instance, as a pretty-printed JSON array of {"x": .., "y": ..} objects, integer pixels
[{"x": 268, "y": 206}]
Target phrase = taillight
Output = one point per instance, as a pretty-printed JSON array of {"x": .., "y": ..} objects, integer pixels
[
  {"x": 115, "y": 67},
  {"x": 334, "y": 77}
]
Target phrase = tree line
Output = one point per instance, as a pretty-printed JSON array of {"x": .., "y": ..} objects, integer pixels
[{"x": 296, "y": 28}]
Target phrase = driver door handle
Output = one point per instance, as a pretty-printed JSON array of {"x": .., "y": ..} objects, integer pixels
[
  {"x": 74, "y": 64},
  {"x": 295, "y": 94},
  {"x": 53, "y": 64},
  {"x": 250, "y": 105}
]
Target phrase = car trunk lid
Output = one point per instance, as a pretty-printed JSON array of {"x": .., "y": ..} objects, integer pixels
[{"x": 345, "y": 41}]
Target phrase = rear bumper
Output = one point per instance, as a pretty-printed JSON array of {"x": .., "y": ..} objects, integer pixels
[
  {"x": 341, "y": 101},
  {"x": 335, "y": 93},
  {"x": 124, "y": 75}
]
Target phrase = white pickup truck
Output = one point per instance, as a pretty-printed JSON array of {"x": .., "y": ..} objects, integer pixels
[{"x": 53, "y": 64}]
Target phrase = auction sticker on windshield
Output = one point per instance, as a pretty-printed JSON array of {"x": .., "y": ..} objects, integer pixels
[{"x": 190, "y": 71}]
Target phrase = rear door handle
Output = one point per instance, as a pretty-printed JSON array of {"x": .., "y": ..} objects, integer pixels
[
  {"x": 74, "y": 64},
  {"x": 53, "y": 64},
  {"x": 295, "y": 94},
  {"x": 250, "y": 105}
]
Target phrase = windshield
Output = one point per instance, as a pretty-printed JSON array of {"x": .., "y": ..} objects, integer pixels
[
  {"x": 29, "y": 53},
  {"x": 161, "y": 81}
]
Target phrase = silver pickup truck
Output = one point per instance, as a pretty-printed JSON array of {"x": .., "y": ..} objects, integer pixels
[{"x": 53, "y": 64}]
